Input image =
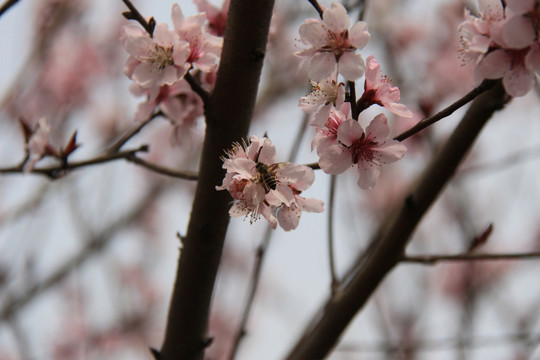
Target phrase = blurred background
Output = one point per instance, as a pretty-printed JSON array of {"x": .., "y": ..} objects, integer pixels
[{"x": 88, "y": 260}]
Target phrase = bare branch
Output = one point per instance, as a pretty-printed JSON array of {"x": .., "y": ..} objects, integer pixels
[
  {"x": 134, "y": 14},
  {"x": 186, "y": 175},
  {"x": 7, "y": 5},
  {"x": 434, "y": 259},
  {"x": 58, "y": 171},
  {"x": 126, "y": 137},
  {"x": 388, "y": 245},
  {"x": 484, "y": 86}
]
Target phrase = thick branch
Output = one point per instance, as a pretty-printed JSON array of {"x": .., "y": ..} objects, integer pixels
[
  {"x": 393, "y": 234},
  {"x": 228, "y": 116}
]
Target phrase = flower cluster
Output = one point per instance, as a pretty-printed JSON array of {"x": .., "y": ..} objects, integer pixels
[
  {"x": 259, "y": 186},
  {"x": 503, "y": 42},
  {"x": 158, "y": 62},
  {"x": 331, "y": 45},
  {"x": 340, "y": 140}
]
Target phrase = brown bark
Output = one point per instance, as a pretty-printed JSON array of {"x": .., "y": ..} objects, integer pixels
[
  {"x": 228, "y": 114},
  {"x": 389, "y": 243}
]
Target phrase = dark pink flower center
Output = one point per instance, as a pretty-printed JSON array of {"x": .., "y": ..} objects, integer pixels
[
  {"x": 362, "y": 148},
  {"x": 338, "y": 43}
]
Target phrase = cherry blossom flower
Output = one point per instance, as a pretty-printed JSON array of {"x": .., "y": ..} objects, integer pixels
[
  {"x": 154, "y": 61},
  {"x": 368, "y": 150},
  {"x": 38, "y": 145},
  {"x": 204, "y": 48},
  {"x": 324, "y": 96},
  {"x": 289, "y": 216},
  {"x": 217, "y": 18},
  {"x": 331, "y": 45},
  {"x": 504, "y": 43},
  {"x": 327, "y": 132},
  {"x": 379, "y": 90},
  {"x": 259, "y": 186},
  {"x": 178, "y": 103}
]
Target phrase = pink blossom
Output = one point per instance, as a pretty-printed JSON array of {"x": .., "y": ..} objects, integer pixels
[
  {"x": 522, "y": 25},
  {"x": 289, "y": 216},
  {"x": 327, "y": 132},
  {"x": 259, "y": 186},
  {"x": 504, "y": 44},
  {"x": 178, "y": 103},
  {"x": 368, "y": 150},
  {"x": 154, "y": 61},
  {"x": 38, "y": 144},
  {"x": 324, "y": 95},
  {"x": 217, "y": 18},
  {"x": 379, "y": 90},
  {"x": 204, "y": 48},
  {"x": 332, "y": 45}
]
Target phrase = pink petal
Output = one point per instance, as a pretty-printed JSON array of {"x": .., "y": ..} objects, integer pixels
[
  {"x": 532, "y": 59},
  {"x": 378, "y": 129},
  {"x": 321, "y": 65},
  {"x": 390, "y": 151},
  {"x": 359, "y": 35},
  {"x": 313, "y": 33},
  {"x": 519, "y": 81},
  {"x": 139, "y": 46},
  {"x": 336, "y": 18},
  {"x": 494, "y": 65},
  {"x": 368, "y": 173},
  {"x": 349, "y": 131},
  {"x": 289, "y": 217},
  {"x": 310, "y": 205},
  {"x": 335, "y": 160},
  {"x": 519, "y": 32},
  {"x": 144, "y": 74},
  {"x": 351, "y": 66},
  {"x": 162, "y": 35}
]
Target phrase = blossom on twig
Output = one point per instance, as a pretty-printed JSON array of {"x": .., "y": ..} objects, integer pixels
[
  {"x": 379, "y": 90},
  {"x": 332, "y": 46},
  {"x": 260, "y": 186},
  {"x": 368, "y": 150}
]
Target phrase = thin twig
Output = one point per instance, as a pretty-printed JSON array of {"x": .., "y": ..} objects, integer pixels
[
  {"x": 317, "y": 7},
  {"x": 196, "y": 87},
  {"x": 186, "y": 175},
  {"x": 433, "y": 259},
  {"x": 134, "y": 14},
  {"x": 126, "y": 137},
  {"x": 7, "y": 5},
  {"x": 485, "y": 85},
  {"x": 334, "y": 285},
  {"x": 352, "y": 99},
  {"x": 55, "y": 172}
]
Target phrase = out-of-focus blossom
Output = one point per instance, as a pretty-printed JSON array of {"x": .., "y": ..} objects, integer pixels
[
  {"x": 178, "y": 103},
  {"x": 332, "y": 46},
  {"x": 368, "y": 150},
  {"x": 217, "y": 18},
  {"x": 324, "y": 95},
  {"x": 379, "y": 90},
  {"x": 155, "y": 61},
  {"x": 504, "y": 43},
  {"x": 259, "y": 186},
  {"x": 204, "y": 48},
  {"x": 38, "y": 145}
]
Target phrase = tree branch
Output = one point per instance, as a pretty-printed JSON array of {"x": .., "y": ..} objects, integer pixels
[
  {"x": 388, "y": 245},
  {"x": 228, "y": 116},
  {"x": 7, "y": 5},
  {"x": 484, "y": 86},
  {"x": 434, "y": 259}
]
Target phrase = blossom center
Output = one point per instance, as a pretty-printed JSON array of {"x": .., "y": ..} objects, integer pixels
[
  {"x": 161, "y": 57},
  {"x": 362, "y": 149},
  {"x": 338, "y": 43}
]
